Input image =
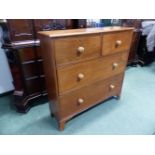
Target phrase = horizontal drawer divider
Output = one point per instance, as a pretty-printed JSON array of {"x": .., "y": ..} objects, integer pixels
[
  {"x": 31, "y": 61},
  {"x": 31, "y": 78},
  {"x": 34, "y": 77}
]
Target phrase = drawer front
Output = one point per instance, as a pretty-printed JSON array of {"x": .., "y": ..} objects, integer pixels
[
  {"x": 85, "y": 97},
  {"x": 78, "y": 75},
  {"x": 27, "y": 54},
  {"x": 30, "y": 70},
  {"x": 78, "y": 48},
  {"x": 33, "y": 86},
  {"x": 116, "y": 42}
]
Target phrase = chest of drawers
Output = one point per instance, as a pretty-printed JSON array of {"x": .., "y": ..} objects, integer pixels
[{"x": 83, "y": 67}]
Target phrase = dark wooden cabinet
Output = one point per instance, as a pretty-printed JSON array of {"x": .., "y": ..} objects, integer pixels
[
  {"x": 79, "y": 23},
  {"x": 45, "y": 24},
  {"x": 24, "y": 54},
  {"x": 136, "y": 23},
  {"x": 28, "y": 76},
  {"x": 145, "y": 57},
  {"x": 133, "y": 57},
  {"x": 21, "y": 29}
]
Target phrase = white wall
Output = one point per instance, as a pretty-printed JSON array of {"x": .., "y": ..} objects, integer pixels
[{"x": 5, "y": 74}]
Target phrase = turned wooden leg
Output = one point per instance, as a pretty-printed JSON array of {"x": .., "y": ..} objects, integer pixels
[
  {"x": 118, "y": 97},
  {"x": 61, "y": 125}
]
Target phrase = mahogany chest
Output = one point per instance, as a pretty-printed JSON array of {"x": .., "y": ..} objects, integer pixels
[
  {"x": 83, "y": 67},
  {"x": 22, "y": 48}
]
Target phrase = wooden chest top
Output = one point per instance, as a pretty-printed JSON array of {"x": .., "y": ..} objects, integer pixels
[{"x": 84, "y": 31}]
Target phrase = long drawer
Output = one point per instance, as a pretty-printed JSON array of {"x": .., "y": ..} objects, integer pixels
[
  {"x": 76, "y": 101},
  {"x": 75, "y": 76},
  {"x": 72, "y": 49}
]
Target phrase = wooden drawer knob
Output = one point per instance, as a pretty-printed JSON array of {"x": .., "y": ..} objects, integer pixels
[
  {"x": 80, "y": 49},
  {"x": 112, "y": 87},
  {"x": 80, "y": 76},
  {"x": 115, "y": 65},
  {"x": 80, "y": 101},
  {"x": 118, "y": 42}
]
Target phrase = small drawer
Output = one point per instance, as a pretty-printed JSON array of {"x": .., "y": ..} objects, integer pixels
[
  {"x": 75, "y": 76},
  {"x": 42, "y": 82},
  {"x": 40, "y": 67},
  {"x": 71, "y": 49},
  {"x": 38, "y": 49},
  {"x": 33, "y": 86},
  {"x": 116, "y": 42},
  {"x": 76, "y": 101},
  {"x": 27, "y": 54},
  {"x": 30, "y": 70}
]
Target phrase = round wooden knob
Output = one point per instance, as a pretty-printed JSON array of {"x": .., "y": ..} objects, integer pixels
[
  {"x": 112, "y": 87},
  {"x": 80, "y": 101},
  {"x": 115, "y": 65},
  {"x": 80, "y": 76},
  {"x": 118, "y": 42},
  {"x": 80, "y": 49}
]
